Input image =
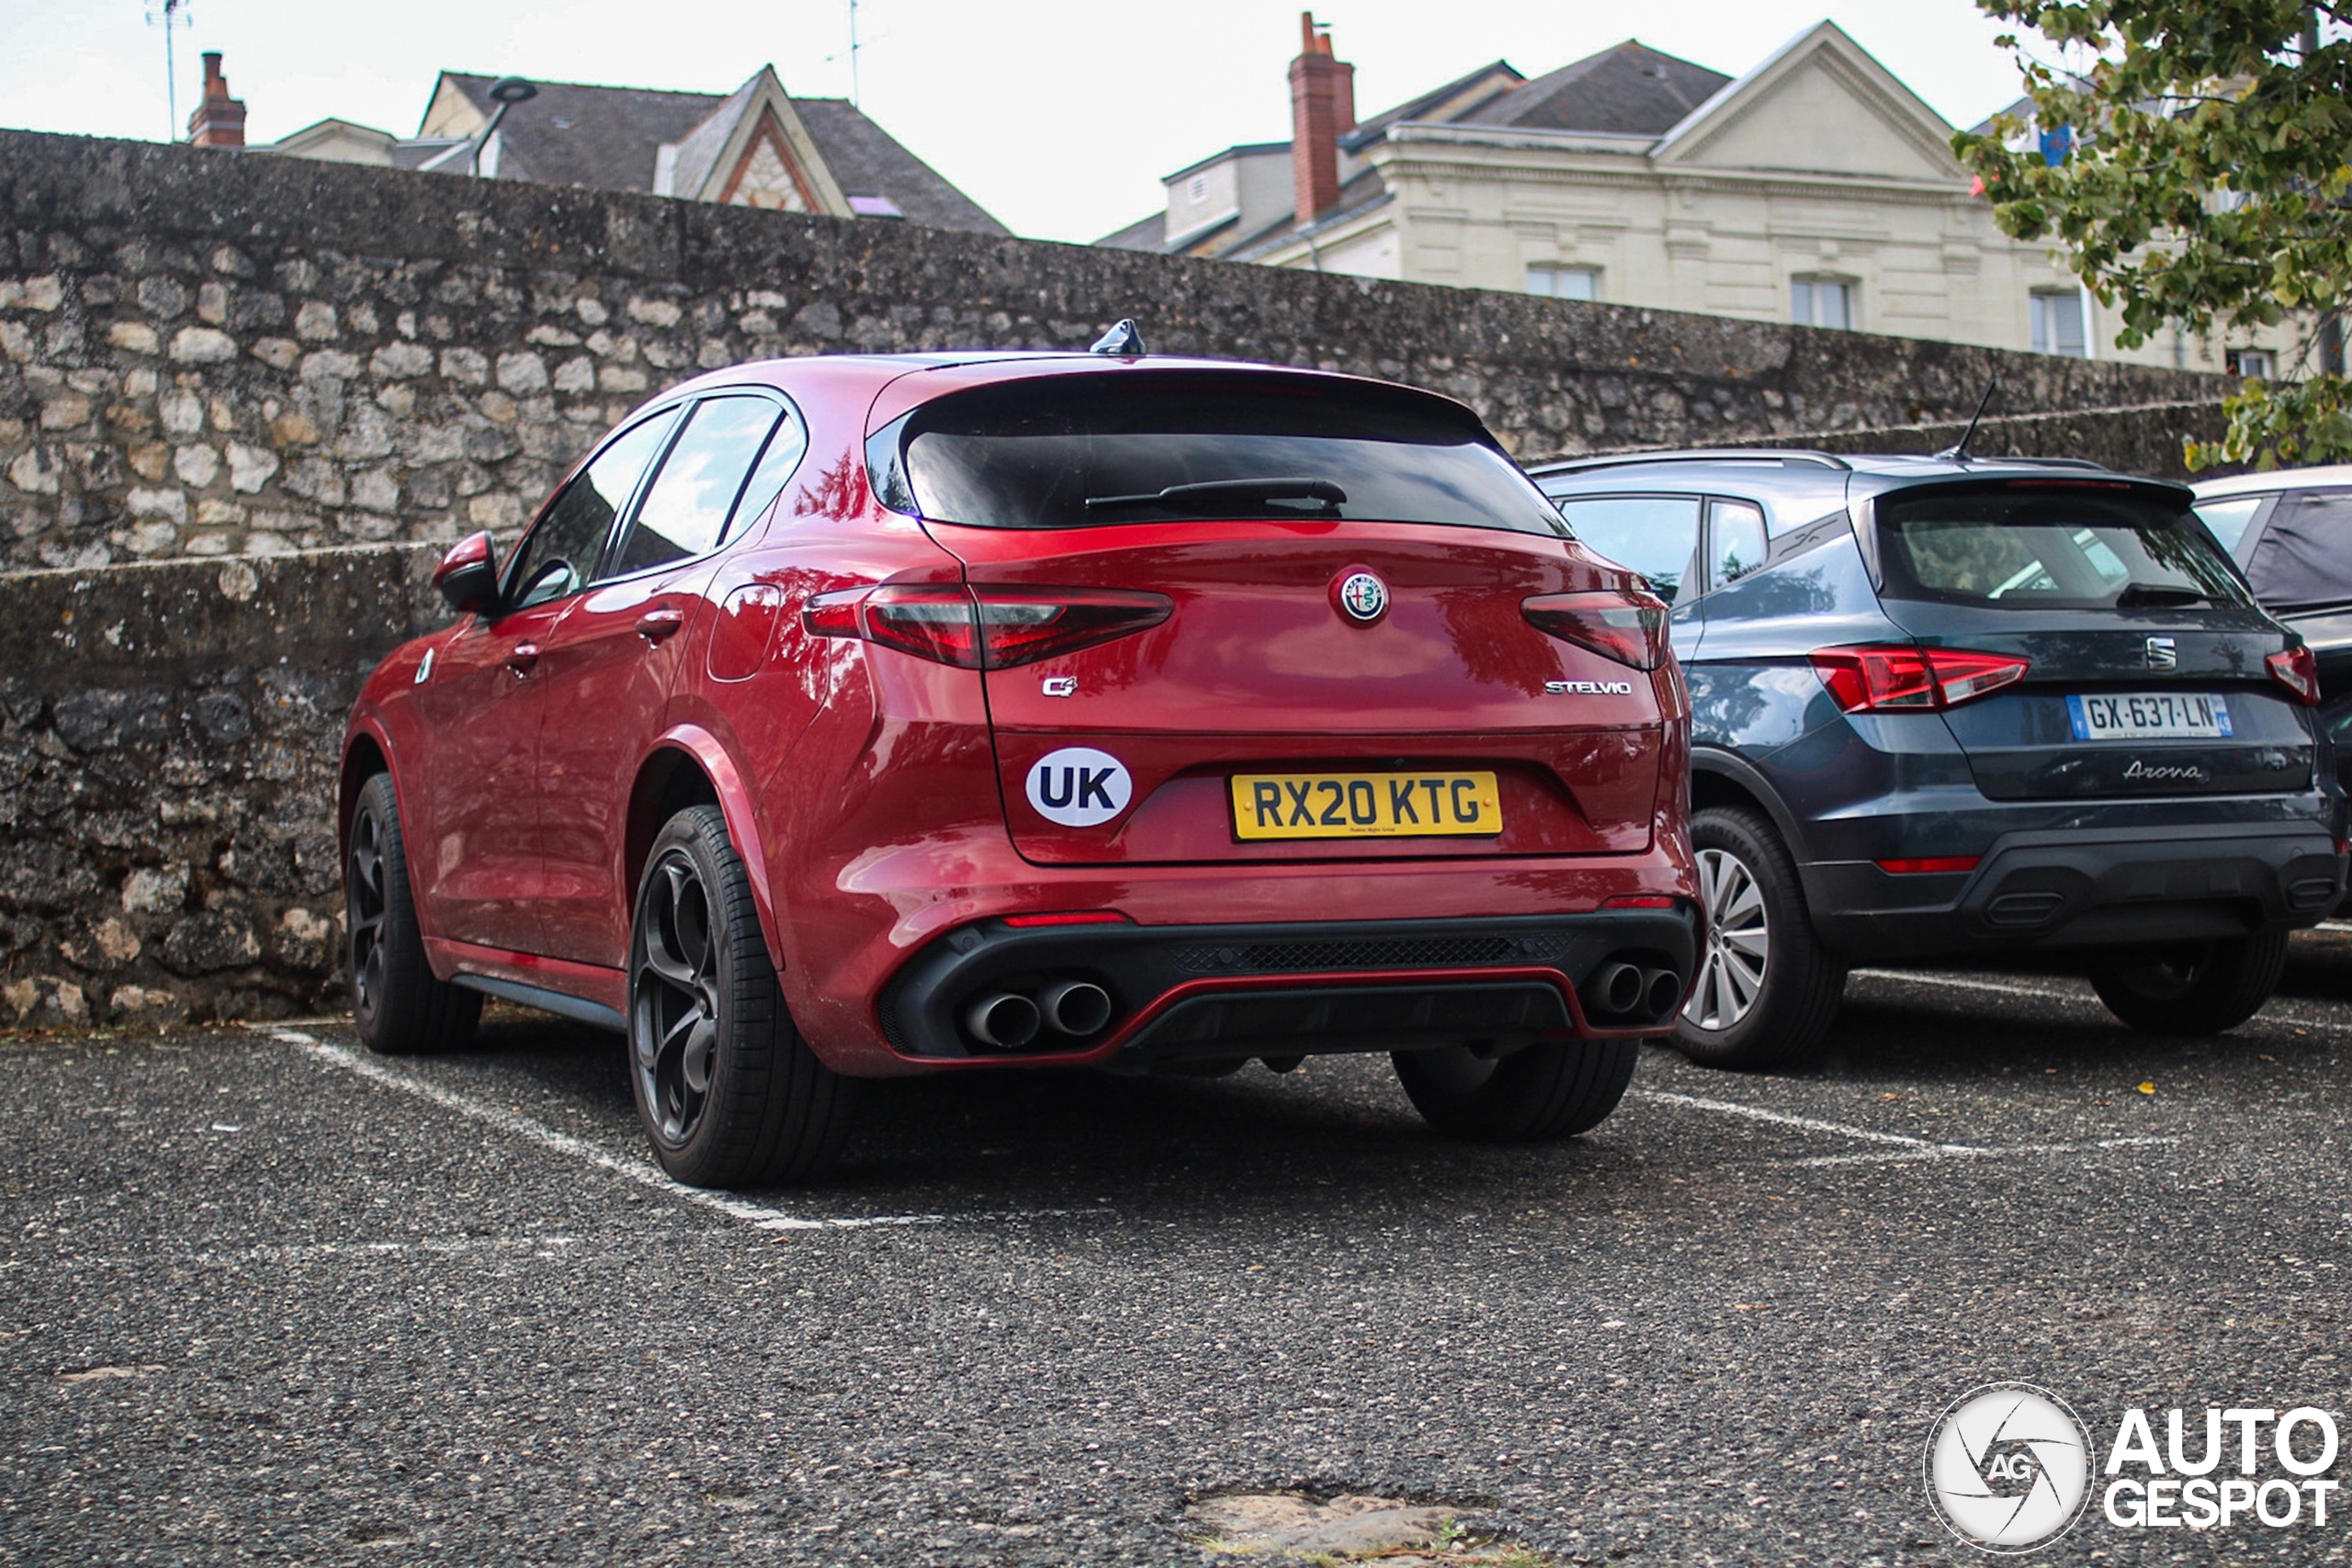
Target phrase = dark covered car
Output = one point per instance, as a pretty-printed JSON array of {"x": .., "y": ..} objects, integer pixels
[{"x": 1963, "y": 708}]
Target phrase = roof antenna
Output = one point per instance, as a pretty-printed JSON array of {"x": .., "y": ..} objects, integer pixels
[
  {"x": 1122, "y": 341},
  {"x": 1958, "y": 451}
]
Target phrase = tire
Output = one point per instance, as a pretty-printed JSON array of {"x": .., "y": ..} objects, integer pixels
[
  {"x": 703, "y": 1004},
  {"x": 1552, "y": 1089},
  {"x": 2199, "y": 988},
  {"x": 399, "y": 1008},
  {"x": 1767, "y": 990}
]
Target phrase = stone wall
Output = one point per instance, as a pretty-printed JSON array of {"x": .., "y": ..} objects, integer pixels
[
  {"x": 208, "y": 353},
  {"x": 239, "y": 393},
  {"x": 168, "y": 738}
]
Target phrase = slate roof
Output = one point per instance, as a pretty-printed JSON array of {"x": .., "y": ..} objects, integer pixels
[
  {"x": 608, "y": 138},
  {"x": 1631, "y": 90}
]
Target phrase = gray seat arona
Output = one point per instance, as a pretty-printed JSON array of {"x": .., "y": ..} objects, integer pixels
[{"x": 1947, "y": 707}]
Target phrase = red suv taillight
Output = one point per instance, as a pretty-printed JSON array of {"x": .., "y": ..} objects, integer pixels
[
  {"x": 1891, "y": 680},
  {"x": 990, "y": 629},
  {"x": 2296, "y": 669},
  {"x": 1628, "y": 628}
]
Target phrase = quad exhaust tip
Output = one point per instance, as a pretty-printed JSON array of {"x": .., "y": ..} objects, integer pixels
[
  {"x": 1004, "y": 1019},
  {"x": 1619, "y": 992},
  {"x": 1074, "y": 1007},
  {"x": 1010, "y": 1019}
]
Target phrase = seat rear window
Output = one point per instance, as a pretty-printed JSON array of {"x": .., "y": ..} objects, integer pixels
[
  {"x": 1085, "y": 450},
  {"x": 2031, "y": 546}
]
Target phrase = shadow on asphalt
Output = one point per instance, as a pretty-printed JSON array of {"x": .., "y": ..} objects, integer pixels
[{"x": 1338, "y": 1122}]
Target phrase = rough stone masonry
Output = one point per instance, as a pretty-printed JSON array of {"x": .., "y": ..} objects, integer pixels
[{"x": 239, "y": 393}]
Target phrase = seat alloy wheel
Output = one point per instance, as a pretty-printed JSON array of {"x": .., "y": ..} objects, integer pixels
[
  {"x": 1739, "y": 942},
  {"x": 730, "y": 1093},
  {"x": 1766, "y": 992}
]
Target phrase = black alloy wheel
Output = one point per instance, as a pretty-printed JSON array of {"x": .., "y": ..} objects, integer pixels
[
  {"x": 399, "y": 1006},
  {"x": 674, "y": 1026},
  {"x": 1554, "y": 1089},
  {"x": 730, "y": 1093},
  {"x": 2191, "y": 988}
]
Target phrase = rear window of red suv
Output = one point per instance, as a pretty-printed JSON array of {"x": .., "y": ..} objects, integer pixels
[
  {"x": 2015, "y": 545},
  {"x": 1086, "y": 450}
]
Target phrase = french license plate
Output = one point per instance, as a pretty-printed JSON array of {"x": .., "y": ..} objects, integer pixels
[
  {"x": 2149, "y": 716},
  {"x": 1366, "y": 806}
]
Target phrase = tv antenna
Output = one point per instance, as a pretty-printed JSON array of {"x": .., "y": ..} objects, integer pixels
[
  {"x": 853, "y": 53},
  {"x": 169, "y": 14}
]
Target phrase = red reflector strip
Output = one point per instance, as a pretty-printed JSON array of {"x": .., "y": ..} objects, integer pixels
[
  {"x": 1639, "y": 901},
  {"x": 1927, "y": 864},
  {"x": 1075, "y": 917}
]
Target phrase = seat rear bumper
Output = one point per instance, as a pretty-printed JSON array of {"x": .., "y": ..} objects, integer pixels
[{"x": 2083, "y": 888}]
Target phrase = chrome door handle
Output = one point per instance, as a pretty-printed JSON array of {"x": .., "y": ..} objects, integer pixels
[
  {"x": 523, "y": 657},
  {"x": 655, "y": 625}
]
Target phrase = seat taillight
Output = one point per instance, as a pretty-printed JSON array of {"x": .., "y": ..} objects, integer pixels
[
  {"x": 1901, "y": 678},
  {"x": 992, "y": 628},
  {"x": 2298, "y": 670}
]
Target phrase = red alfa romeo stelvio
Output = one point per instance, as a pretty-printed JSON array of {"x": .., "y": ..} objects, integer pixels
[{"x": 845, "y": 717}]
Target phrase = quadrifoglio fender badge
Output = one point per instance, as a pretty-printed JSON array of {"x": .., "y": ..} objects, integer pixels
[{"x": 1587, "y": 688}]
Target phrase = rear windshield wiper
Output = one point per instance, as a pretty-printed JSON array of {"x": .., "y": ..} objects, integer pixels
[
  {"x": 1232, "y": 493},
  {"x": 2144, "y": 595}
]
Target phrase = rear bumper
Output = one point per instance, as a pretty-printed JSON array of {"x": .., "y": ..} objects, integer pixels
[
  {"x": 2083, "y": 888},
  {"x": 1287, "y": 989}
]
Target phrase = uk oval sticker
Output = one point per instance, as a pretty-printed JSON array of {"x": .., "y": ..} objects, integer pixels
[{"x": 1078, "y": 786}]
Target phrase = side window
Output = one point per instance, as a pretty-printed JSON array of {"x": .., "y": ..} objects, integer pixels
[
  {"x": 784, "y": 452},
  {"x": 2228, "y": 520},
  {"x": 1735, "y": 540},
  {"x": 1656, "y": 535},
  {"x": 560, "y": 554},
  {"x": 685, "y": 508}
]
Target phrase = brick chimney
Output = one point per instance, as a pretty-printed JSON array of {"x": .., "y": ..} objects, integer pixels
[
  {"x": 1322, "y": 109},
  {"x": 220, "y": 119}
]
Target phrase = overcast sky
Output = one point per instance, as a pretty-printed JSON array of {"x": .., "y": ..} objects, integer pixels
[{"x": 1058, "y": 116}]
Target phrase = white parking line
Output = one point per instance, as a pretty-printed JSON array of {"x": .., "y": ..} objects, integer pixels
[
  {"x": 2045, "y": 993},
  {"x": 1969, "y": 1151},
  {"x": 640, "y": 1171},
  {"x": 1780, "y": 1118},
  {"x": 1912, "y": 1150}
]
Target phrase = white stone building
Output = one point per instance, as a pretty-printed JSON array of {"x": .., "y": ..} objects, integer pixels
[{"x": 1816, "y": 188}]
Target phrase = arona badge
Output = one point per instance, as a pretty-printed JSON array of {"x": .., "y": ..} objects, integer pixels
[{"x": 1363, "y": 596}]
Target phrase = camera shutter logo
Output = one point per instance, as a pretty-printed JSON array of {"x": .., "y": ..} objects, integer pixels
[{"x": 2009, "y": 1467}]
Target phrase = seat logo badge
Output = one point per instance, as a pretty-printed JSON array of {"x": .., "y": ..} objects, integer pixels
[
  {"x": 2162, "y": 654},
  {"x": 1059, "y": 685},
  {"x": 1078, "y": 786},
  {"x": 424, "y": 667},
  {"x": 1363, "y": 596}
]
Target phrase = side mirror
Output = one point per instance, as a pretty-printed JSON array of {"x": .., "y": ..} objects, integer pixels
[{"x": 468, "y": 576}]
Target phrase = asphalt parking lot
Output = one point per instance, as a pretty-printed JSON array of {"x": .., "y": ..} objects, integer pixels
[{"x": 264, "y": 1298}]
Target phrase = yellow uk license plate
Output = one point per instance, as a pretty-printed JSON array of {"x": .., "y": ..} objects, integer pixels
[{"x": 1366, "y": 806}]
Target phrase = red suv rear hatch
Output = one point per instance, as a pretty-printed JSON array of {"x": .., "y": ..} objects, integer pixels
[{"x": 1309, "y": 597}]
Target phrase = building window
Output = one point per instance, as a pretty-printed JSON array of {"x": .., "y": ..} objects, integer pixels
[
  {"x": 1564, "y": 282},
  {"x": 2058, "y": 323},
  {"x": 1821, "y": 302},
  {"x": 2253, "y": 364}
]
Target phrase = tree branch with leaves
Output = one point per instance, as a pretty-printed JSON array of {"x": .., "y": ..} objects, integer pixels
[{"x": 2207, "y": 185}]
